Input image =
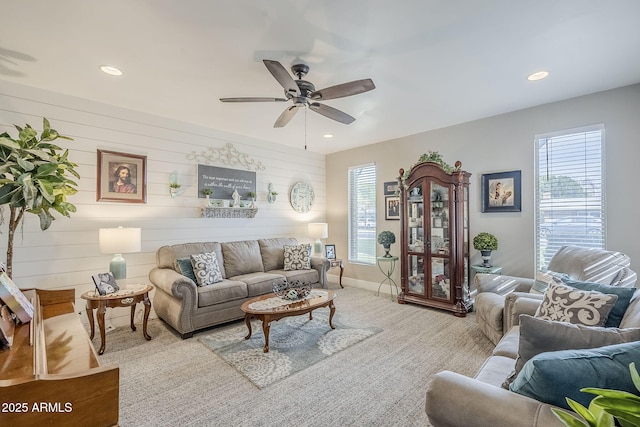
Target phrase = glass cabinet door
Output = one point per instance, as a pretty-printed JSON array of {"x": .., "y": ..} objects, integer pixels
[
  {"x": 415, "y": 214},
  {"x": 416, "y": 274},
  {"x": 439, "y": 217}
]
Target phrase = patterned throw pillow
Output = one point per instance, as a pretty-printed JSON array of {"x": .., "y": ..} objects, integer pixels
[
  {"x": 206, "y": 269},
  {"x": 297, "y": 257},
  {"x": 567, "y": 304}
]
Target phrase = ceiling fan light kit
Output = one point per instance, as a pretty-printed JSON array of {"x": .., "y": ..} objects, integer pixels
[{"x": 304, "y": 93}]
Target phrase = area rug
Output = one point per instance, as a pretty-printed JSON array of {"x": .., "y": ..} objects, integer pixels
[{"x": 295, "y": 343}]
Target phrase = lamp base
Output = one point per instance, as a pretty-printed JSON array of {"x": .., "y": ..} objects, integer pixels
[
  {"x": 317, "y": 247},
  {"x": 118, "y": 267}
]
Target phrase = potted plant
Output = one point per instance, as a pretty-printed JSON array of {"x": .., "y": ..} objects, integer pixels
[
  {"x": 271, "y": 194},
  {"x": 207, "y": 193},
  {"x": 386, "y": 238},
  {"x": 485, "y": 243},
  {"x": 173, "y": 188},
  {"x": 34, "y": 178}
]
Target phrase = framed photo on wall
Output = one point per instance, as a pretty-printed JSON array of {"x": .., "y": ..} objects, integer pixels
[
  {"x": 330, "y": 251},
  {"x": 501, "y": 192},
  {"x": 392, "y": 207},
  {"x": 121, "y": 177},
  {"x": 390, "y": 188}
]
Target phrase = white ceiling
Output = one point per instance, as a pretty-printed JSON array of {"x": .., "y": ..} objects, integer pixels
[{"x": 435, "y": 63}]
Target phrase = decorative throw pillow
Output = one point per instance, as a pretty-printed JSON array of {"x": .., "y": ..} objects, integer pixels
[
  {"x": 206, "y": 269},
  {"x": 540, "y": 335},
  {"x": 567, "y": 304},
  {"x": 184, "y": 267},
  {"x": 553, "y": 376},
  {"x": 297, "y": 257},
  {"x": 619, "y": 308}
]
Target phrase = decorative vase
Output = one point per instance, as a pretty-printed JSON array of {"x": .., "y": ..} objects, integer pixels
[
  {"x": 207, "y": 201},
  {"x": 387, "y": 248},
  {"x": 173, "y": 192},
  {"x": 486, "y": 258}
]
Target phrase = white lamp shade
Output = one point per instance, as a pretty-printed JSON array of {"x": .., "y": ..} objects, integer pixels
[
  {"x": 120, "y": 240},
  {"x": 318, "y": 230}
]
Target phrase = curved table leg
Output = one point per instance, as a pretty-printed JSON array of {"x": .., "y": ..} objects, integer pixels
[
  {"x": 266, "y": 325},
  {"x": 247, "y": 321},
  {"x": 90, "y": 317},
  {"x": 147, "y": 310},
  {"x": 332, "y": 310},
  {"x": 133, "y": 314},
  {"x": 102, "y": 309},
  {"x": 341, "y": 271}
]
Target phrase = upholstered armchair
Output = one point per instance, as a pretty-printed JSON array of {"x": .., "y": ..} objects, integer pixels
[{"x": 497, "y": 295}]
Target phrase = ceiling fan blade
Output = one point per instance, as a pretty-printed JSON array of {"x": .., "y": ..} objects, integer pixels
[
  {"x": 345, "y": 89},
  {"x": 286, "y": 116},
  {"x": 332, "y": 113},
  {"x": 282, "y": 76},
  {"x": 253, "y": 99}
]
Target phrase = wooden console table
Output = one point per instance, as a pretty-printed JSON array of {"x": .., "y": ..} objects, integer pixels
[
  {"x": 102, "y": 302},
  {"x": 51, "y": 374}
]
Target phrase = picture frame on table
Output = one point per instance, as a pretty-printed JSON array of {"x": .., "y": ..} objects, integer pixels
[
  {"x": 330, "y": 251},
  {"x": 502, "y": 192},
  {"x": 105, "y": 283},
  {"x": 122, "y": 177},
  {"x": 392, "y": 208}
]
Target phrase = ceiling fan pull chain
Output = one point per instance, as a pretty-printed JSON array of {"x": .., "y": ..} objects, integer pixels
[{"x": 305, "y": 129}]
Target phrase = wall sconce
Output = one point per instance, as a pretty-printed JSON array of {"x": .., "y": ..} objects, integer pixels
[
  {"x": 271, "y": 194},
  {"x": 118, "y": 241},
  {"x": 173, "y": 189}
]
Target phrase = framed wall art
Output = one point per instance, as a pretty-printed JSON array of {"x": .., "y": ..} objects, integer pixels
[
  {"x": 330, "y": 251},
  {"x": 501, "y": 192},
  {"x": 390, "y": 188},
  {"x": 121, "y": 177},
  {"x": 392, "y": 207}
]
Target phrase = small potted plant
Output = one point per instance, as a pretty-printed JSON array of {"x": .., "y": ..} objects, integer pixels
[
  {"x": 485, "y": 243},
  {"x": 386, "y": 238},
  {"x": 207, "y": 193},
  {"x": 173, "y": 188}
]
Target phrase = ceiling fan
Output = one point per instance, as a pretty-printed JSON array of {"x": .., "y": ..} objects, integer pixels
[{"x": 304, "y": 93}]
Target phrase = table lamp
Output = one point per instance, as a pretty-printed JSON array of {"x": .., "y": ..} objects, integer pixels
[
  {"x": 118, "y": 241},
  {"x": 318, "y": 230}
]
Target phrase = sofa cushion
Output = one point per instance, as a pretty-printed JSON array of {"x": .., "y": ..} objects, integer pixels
[
  {"x": 305, "y": 276},
  {"x": 551, "y": 377},
  {"x": 166, "y": 256},
  {"x": 544, "y": 279},
  {"x": 297, "y": 257},
  {"x": 259, "y": 283},
  {"x": 619, "y": 308},
  {"x": 184, "y": 267},
  {"x": 227, "y": 290},
  {"x": 241, "y": 258},
  {"x": 539, "y": 336},
  {"x": 272, "y": 251},
  {"x": 206, "y": 269},
  {"x": 566, "y": 304}
]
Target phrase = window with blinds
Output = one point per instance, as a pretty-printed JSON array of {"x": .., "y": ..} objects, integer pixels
[
  {"x": 570, "y": 205},
  {"x": 362, "y": 214}
]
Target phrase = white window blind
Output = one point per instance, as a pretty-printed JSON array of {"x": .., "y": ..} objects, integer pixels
[
  {"x": 570, "y": 193},
  {"x": 362, "y": 214}
]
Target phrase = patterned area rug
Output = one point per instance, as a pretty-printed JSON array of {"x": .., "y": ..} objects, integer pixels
[{"x": 295, "y": 343}]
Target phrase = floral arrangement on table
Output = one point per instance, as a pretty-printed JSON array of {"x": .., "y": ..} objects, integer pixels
[
  {"x": 292, "y": 291},
  {"x": 386, "y": 238}
]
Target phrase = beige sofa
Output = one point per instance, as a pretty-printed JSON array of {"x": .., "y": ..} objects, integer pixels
[{"x": 249, "y": 268}]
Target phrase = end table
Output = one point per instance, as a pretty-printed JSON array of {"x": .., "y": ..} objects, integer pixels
[
  {"x": 389, "y": 267},
  {"x": 122, "y": 298},
  {"x": 337, "y": 263}
]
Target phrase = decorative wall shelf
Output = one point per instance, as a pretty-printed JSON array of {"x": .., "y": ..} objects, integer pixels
[{"x": 211, "y": 212}]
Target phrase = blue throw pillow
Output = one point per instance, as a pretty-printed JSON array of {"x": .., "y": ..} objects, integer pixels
[
  {"x": 186, "y": 268},
  {"x": 553, "y": 376},
  {"x": 620, "y": 306}
]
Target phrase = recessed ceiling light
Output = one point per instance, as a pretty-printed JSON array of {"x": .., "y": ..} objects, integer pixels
[
  {"x": 538, "y": 75},
  {"x": 328, "y": 135},
  {"x": 112, "y": 71}
]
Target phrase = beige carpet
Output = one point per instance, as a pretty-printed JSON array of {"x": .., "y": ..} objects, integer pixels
[{"x": 380, "y": 381}]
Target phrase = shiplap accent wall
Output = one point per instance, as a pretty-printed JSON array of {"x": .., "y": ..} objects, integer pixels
[{"x": 66, "y": 255}]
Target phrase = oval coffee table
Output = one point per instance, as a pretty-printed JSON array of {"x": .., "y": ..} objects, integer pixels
[{"x": 270, "y": 307}]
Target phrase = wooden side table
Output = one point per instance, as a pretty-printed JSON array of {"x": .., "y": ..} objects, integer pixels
[
  {"x": 337, "y": 263},
  {"x": 122, "y": 298}
]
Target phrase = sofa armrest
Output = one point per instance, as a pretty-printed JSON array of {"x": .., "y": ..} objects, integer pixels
[
  {"x": 175, "y": 284},
  {"x": 501, "y": 284},
  {"x": 454, "y": 400},
  {"x": 517, "y": 303},
  {"x": 322, "y": 265}
]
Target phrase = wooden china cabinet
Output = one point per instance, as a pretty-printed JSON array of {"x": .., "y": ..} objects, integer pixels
[{"x": 435, "y": 237}]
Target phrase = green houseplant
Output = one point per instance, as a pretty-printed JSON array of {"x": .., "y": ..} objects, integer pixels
[
  {"x": 485, "y": 243},
  {"x": 34, "y": 178},
  {"x": 386, "y": 238},
  {"x": 608, "y": 405}
]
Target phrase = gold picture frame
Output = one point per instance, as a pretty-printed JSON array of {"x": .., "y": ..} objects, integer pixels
[{"x": 122, "y": 177}]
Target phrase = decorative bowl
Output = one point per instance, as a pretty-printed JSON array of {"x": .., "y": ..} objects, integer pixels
[{"x": 292, "y": 291}]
